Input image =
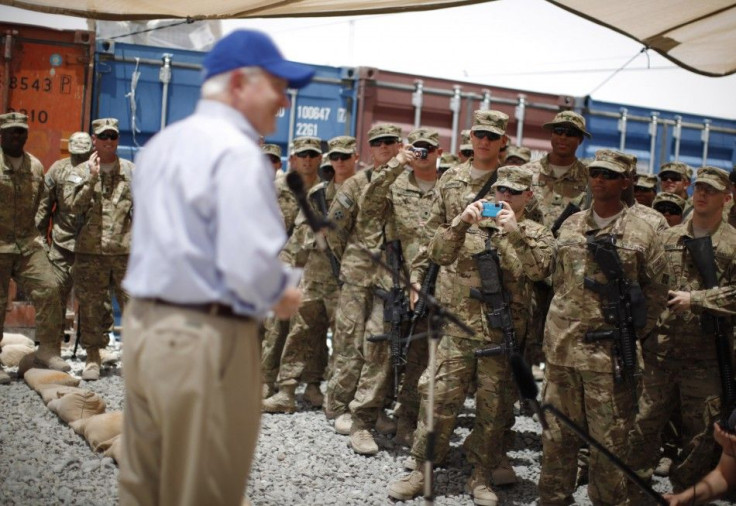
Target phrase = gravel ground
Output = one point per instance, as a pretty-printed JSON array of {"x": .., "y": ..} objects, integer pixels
[{"x": 299, "y": 460}]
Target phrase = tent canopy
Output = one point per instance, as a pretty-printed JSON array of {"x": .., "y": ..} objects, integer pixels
[{"x": 699, "y": 36}]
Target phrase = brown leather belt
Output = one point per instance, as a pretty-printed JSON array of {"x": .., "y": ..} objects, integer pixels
[{"x": 212, "y": 308}]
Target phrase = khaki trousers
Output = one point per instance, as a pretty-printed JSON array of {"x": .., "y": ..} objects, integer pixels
[{"x": 192, "y": 406}]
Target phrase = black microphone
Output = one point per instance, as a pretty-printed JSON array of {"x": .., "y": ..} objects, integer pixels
[{"x": 296, "y": 185}]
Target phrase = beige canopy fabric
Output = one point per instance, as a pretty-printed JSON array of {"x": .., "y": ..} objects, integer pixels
[{"x": 699, "y": 35}]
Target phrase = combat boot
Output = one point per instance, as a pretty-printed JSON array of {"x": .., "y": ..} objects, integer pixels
[
  {"x": 385, "y": 424},
  {"x": 267, "y": 390},
  {"x": 504, "y": 474},
  {"x": 404, "y": 432},
  {"x": 313, "y": 395},
  {"x": 343, "y": 424},
  {"x": 283, "y": 402},
  {"x": 408, "y": 487},
  {"x": 362, "y": 442},
  {"x": 92, "y": 366},
  {"x": 4, "y": 377},
  {"x": 478, "y": 487},
  {"x": 48, "y": 355}
]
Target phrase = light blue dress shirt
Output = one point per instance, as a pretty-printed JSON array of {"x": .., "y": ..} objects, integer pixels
[{"x": 207, "y": 226}]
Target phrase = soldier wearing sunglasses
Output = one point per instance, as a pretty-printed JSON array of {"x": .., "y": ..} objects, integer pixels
[
  {"x": 671, "y": 205},
  {"x": 101, "y": 197},
  {"x": 675, "y": 177}
]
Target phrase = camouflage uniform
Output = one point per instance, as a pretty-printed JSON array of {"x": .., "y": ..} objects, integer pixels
[
  {"x": 681, "y": 361},
  {"x": 579, "y": 379},
  {"x": 104, "y": 206},
  {"x": 525, "y": 255},
  {"x": 552, "y": 194},
  {"x": 393, "y": 200},
  {"x": 22, "y": 256}
]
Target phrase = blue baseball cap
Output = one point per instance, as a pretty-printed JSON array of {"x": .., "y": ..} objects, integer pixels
[{"x": 251, "y": 48}]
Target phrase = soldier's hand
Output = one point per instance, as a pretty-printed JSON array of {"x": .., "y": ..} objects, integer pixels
[
  {"x": 94, "y": 163},
  {"x": 725, "y": 439},
  {"x": 679, "y": 301},
  {"x": 405, "y": 155},
  {"x": 506, "y": 218},
  {"x": 289, "y": 303},
  {"x": 472, "y": 213},
  {"x": 414, "y": 295}
]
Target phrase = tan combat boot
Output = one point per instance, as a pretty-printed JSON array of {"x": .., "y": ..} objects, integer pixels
[
  {"x": 385, "y": 424},
  {"x": 282, "y": 402},
  {"x": 343, "y": 424},
  {"x": 408, "y": 487},
  {"x": 313, "y": 395},
  {"x": 49, "y": 355},
  {"x": 478, "y": 487},
  {"x": 92, "y": 367},
  {"x": 267, "y": 390},
  {"x": 504, "y": 474},
  {"x": 362, "y": 442}
]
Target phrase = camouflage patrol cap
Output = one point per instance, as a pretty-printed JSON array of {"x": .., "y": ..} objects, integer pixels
[
  {"x": 514, "y": 177},
  {"x": 612, "y": 160},
  {"x": 490, "y": 121},
  {"x": 646, "y": 181},
  {"x": 325, "y": 161},
  {"x": 671, "y": 198},
  {"x": 306, "y": 144},
  {"x": 79, "y": 143},
  {"x": 568, "y": 118},
  {"x": 13, "y": 120},
  {"x": 272, "y": 149},
  {"x": 383, "y": 130},
  {"x": 465, "y": 141},
  {"x": 678, "y": 168},
  {"x": 448, "y": 160},
  {"x": 717, "y": 178},
  {"x": 428, "y": 135},
  {"x": 102, "y": 124},
  {"x": 342, "y": 144},
  {"x": 519, "y": 152}
]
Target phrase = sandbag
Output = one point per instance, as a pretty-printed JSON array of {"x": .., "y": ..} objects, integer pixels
[
  {"x": 10, "y": 338},
  {"x": 101, "y": 428},
  {"x": 36, "y": 378},
  {"x": 12, "y": 354},
  {"x": 113, "y": 448},
  {"x": 53, "y": 391},
  {"x": 77, "y": 405}
]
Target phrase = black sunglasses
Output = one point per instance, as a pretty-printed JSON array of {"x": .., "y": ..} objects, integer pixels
[
  {"x": 339, "y": 156},
  {"x": 483, "y": 134},
  {"x": 566, "y": 131},
  {"x": 643, "y": 189},
  {"x": 308, "y": 154},
  {"x": 610, "y": 175},
  {"x": 506, "y": 189},
  {"x": 467, "y": 153},
  {"x": 387, "y": 141},
  {"x": 670, "y": 176},
  {"x": 107, "y": 135},
  {"x": 668, "y": 209}
]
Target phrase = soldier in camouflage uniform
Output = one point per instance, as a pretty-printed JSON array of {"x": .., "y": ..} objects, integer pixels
[
  {"x": 645, "y": 189},
  {"x": 54, "y": 211},
  {"x": 305, "y": 156},
  {"x": 729, "y": 211},
  {"x": 671, "y": 206},
  {"x": 654, "y": 218},
  {"x": 680, "y": 358},
  {"x": 22, "y": 257},
  {"x": 399, "y": 202},
  {"x": 674, "y": 177},
  {"x": 273, "y": 152},
  {"x": 99, "y": 194},
  {"x": 447, "y": 161},
  {"x": 348, "y": 241},
  {"x": 517, "y": 155},
  {"x": 525, "y": 250},
  {"x": 465, "y": 151},
  {"x": 579, "y": 374},
  {"x": 319, "y": 287}
]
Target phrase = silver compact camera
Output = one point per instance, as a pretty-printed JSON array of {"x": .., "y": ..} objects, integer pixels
[{"x": 421, "y": 153}]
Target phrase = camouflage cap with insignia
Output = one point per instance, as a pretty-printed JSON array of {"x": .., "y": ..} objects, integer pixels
[
  {"x": 102, "y": 124},
  {"x": 342, "y": 144},
  {"x": 568, "y": 118},
  {"x": 717, "y": 178},
  {"x": 13, "y": 120},
  {"x": 384, "y": 130},
  {"x": 325, "y": 161},
  {"x": 306, "y": 144},
  {"x": 448, "y": 160},
  {"x": 519, "y": 152},
  {"x": 612, "y": 160},
  {"x": 490, "y": 121},
  {"x": 79, "y": 143},
  {"x": 646, "y": 181},
  {"x": 671, "y": 198},
  {"x": 514, "y": 177},
  {"x": 272, "y": 149},
  {"x": 678, "y": 168},
  {"x": 428, "y": 135},
  {"x": 465, "y": 141}
]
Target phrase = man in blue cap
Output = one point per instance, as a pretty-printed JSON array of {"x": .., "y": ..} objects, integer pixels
[{"x": 203, "y": 270}]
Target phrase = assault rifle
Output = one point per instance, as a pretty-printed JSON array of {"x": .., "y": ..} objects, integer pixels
[
  {"x": 319, "y": 197},
  {"x": 395, "y": 309},
  {"x": 569, "y": 210},
  {"x": 701, "y": 251},
  {"x": 623, "y": 306}
]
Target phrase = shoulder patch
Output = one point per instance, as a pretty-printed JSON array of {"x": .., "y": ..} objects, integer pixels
[
  {"x": 74, "y": 178},
  {"x": 345, "y": 201},
  {"x": 50, "y": 181}
]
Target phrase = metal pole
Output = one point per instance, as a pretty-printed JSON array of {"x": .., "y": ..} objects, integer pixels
[
  {"x": 164, "y": 75},
  {"x": 292, "y": 120},
  {"x": 455, "y": 106},
  {"x": 653, "y": 142},
  {"x": 485, "y": 104},
  {"x": 7, "y": 57},
  {"x": 705, "y": 137},
  {"x": 519, "y": 113},
  {"x": 416, "y": 100},
  {"x": 622, "y": 128},
  {"x": 677, "y": 134}
]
